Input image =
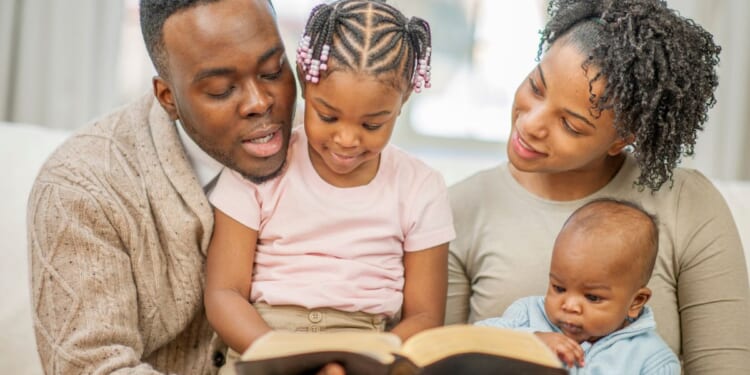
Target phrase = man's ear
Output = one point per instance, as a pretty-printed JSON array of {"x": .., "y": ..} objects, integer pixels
[
  {"x": 641, "y": 297},
  {"x": 619, "y": 144},
  {"x": 163, "y": 93}
]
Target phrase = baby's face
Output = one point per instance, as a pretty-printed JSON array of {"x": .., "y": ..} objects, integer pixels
[{"x": 591, "y": 292}]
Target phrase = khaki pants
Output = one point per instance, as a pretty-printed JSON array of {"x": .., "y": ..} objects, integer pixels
[{"x": 300, "y": 319}]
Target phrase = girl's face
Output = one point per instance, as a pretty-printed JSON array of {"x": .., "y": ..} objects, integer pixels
[
  {"x": 349, "y": 119},
  {"x": 553, "y": 129}
]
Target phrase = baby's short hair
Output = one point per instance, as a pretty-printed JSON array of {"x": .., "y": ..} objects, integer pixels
[{"x": 625, "y": 219}]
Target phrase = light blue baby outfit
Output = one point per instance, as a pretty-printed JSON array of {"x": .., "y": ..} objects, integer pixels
[{"x": 635, "y": 349}]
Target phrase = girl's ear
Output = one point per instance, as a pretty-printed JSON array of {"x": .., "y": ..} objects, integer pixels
[
  {"x": 619, "y": 144},
  {"x": 163, "y": 93},
  {"x": 641, "y": 297}
]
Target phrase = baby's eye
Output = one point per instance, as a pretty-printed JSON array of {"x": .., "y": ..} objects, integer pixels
[
  {"x": 558, "y": 289},
  {"x": 593, "y": 298}
]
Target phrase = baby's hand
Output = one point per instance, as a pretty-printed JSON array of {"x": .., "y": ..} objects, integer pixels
[{"x": 566, "y": 348}]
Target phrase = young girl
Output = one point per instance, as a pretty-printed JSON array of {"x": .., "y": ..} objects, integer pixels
[{"x": 354, "y": 231}]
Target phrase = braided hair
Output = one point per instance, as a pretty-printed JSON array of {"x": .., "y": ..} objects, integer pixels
[
  {"x": 659, "y": 68},
  {"x": 367, "y": 36}
]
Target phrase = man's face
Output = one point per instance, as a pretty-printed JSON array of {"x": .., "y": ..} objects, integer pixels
[{"x": 230, "y": 84}]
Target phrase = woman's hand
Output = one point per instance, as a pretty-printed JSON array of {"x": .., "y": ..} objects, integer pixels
[{"x": 566, "y": 348}]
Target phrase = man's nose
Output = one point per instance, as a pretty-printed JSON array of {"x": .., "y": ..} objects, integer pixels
[{"x": 257, "y": 101}]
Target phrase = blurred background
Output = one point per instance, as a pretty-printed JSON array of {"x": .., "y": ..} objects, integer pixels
[{"x": 63, "y": 63}]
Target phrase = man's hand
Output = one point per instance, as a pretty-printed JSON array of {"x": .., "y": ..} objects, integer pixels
[{"x": 566, "y": 348}]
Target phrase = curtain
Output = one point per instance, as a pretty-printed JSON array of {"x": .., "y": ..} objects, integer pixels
[
  {"x": 58, "y": 60},
  {"x": 722, "y": 151}
]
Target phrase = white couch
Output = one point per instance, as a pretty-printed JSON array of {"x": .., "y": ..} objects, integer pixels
[{"x": 23, "y": 149}]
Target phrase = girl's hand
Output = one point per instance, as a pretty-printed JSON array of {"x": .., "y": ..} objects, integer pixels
[
  {"x": 332, "y": 369},
  {"x": 566, "y": 348}
]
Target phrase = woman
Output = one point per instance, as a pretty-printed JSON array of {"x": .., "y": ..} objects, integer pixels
[{"x": 618, "y": 97}]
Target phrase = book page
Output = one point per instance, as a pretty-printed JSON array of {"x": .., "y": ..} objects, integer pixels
[
  {"x": 377, "y": 345},
  {"x": 434, "y": 344}
]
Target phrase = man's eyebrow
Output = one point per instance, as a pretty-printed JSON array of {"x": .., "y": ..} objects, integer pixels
[
  {"x": 268, "y": 54},
  {"x": 213, "y": 72},
  {"x": 580, "y": 117}
]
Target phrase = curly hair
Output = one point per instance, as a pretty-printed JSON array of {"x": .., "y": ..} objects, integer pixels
[
  {"x": 659, "y": 70},
  {"x": 153, "y": 14}
]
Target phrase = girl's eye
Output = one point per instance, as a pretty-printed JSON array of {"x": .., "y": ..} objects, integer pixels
[
  {"x": 558, "y": 289},
  {"x": 223, "y": 94},
  {"x": 593, "y": 298},
  {"x": 534, "y": 87},
  {"x": 570, "y": 128},
  {"x": 371, "y": 127},
  {"x": 326, "y": 119}
]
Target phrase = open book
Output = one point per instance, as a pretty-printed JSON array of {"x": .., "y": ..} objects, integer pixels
[{"x": 454, "y": 349}]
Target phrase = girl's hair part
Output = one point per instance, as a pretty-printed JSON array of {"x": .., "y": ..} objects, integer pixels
[
  {"x": 659, "y": 69},
  {"x": 366, "y": 36}
]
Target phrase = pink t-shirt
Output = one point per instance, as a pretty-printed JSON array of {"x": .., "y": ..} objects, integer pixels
[{"x": 324, "y": 246}]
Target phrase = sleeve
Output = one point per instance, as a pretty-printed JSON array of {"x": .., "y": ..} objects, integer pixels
[
  {"x": 84, "y": 299},
  {"x": 431, "y": 221},
  {"x": 662, "y": 362},
  {"x": 712, "y": 283},
  {"x": 237, "y": 198},
  {"x": 516, "y": 317}
]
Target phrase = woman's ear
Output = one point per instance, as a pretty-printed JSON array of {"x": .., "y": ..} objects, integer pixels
[
  {"x": 163, "y": 93},
  {"x": 641, "y": 297},
  {"x": 619, "y": 144}
]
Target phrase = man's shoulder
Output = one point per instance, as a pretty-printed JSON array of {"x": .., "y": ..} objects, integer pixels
[{"x": 113, "y": 140}]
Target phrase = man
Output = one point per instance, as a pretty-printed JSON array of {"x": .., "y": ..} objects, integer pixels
[{"x": 118, "y": 217}]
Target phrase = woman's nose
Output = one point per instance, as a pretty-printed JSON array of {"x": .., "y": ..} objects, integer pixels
[{"x": 533, "y": 122}]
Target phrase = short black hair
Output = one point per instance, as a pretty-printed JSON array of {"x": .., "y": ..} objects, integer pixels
[
  {"x": 660, "y": 72},
  {"x": 153, "y": 14},
  {"x": 627, "y": 220}
]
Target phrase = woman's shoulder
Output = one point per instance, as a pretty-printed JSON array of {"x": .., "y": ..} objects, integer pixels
[{"x": 483, "y": 180}]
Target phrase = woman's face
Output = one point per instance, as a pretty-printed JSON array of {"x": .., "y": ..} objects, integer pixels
[{"x": 554, "y": 130}]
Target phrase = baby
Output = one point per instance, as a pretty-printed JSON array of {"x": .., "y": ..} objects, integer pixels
[{"x": 594, "y": 316}]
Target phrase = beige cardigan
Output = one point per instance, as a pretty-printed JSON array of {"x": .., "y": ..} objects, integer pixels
[{"x": 118, "y": 230}]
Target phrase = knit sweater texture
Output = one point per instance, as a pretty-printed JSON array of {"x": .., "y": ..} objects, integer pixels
[{"x": 118, "y": 230}]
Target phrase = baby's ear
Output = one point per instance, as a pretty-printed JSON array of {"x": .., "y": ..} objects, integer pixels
[{"x": 641, "y": 297}]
